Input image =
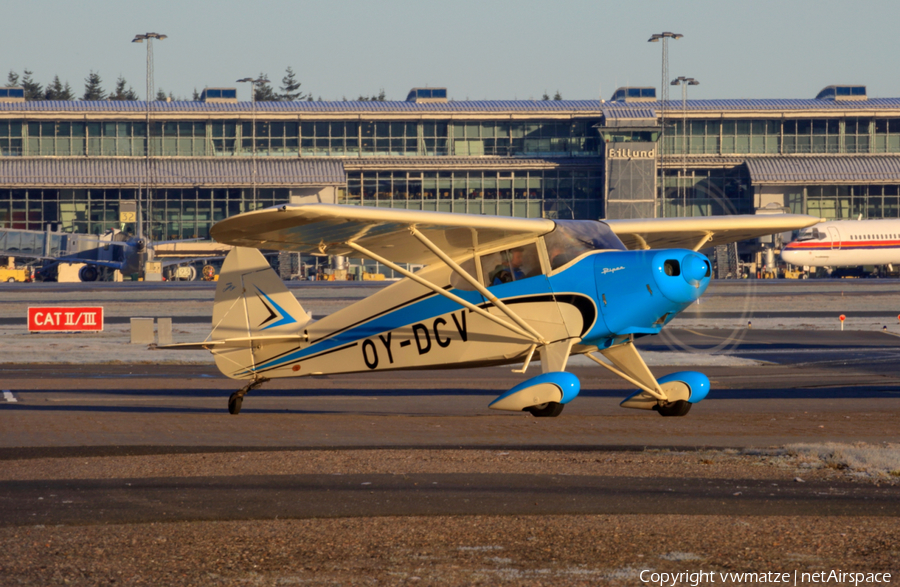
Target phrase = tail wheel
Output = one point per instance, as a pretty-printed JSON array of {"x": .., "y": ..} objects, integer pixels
[
  {"x": 547, "y": 410},
  {"x": 234, "y": 403},
  {"x": 673, "y": 409}
]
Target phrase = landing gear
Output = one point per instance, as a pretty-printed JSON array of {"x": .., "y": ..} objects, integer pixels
[
  {"x": 88, "y": 273},
  {"x": 673, "y": 409},
  {"x": 547, "y": 410},
  {"x": 234, "y": 403},
  {"x": 237, "y": 398}
]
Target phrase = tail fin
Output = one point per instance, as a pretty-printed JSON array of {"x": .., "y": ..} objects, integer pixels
[{"x": 251, "y": 302}]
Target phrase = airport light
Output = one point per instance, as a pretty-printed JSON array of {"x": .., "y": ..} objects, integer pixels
[
  {"x": 149, "y": 37},
  {"x": 684, "y": 82},
  {"x": 663, "y": 98},
  {"x": 253, "y": 83}
]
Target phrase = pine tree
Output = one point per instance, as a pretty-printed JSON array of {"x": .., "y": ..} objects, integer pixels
[
  {"x": 160, "y": 95},
  {"x": 12, "y": 80},
  {"x": 380, "y": 97},
  {"x": 54, "y": 89},
  {"x": 290, "y": 87},
  {"x": 121, "y": 93},
  {"x": 33, "y": 90},
  {"x": 557, "y": 96},
  {"x": 196, "y": 97},
  {"x": 264, "y": 92},
  {"x": 92, "y": 88},
  {"x": 545, "y": 97},
  {"x": 67, "y": 93}
]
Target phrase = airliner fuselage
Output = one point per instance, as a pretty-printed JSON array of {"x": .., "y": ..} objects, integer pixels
[{"x": 846, "y": 243}]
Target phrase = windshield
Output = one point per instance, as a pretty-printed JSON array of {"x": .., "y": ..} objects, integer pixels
[
  {"x": 808, "y": 235},
  {"x": 571, "y": 238}
]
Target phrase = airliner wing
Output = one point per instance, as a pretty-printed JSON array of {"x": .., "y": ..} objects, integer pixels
[
  {"x": 327, "y": 228},
  {"x": 704, "y": 231}
]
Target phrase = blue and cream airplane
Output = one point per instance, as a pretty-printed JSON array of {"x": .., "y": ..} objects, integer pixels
[{"x": 493, "y": 291}]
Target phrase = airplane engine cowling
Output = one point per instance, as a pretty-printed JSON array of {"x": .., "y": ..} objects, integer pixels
[
  {"x": 682, "y": 276},
  {"x": 559, "y": 387}
]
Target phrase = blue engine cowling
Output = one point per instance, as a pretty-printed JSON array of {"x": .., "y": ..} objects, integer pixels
[
  {"x": 639, "y": 292},
  {"x": 559, "y": 387}
]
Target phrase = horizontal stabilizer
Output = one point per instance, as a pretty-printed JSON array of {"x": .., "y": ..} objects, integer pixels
[{"x": 243, "y": 342}]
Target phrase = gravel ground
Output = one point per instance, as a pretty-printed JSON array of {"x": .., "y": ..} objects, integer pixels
[{"x": 465, "y": 550}]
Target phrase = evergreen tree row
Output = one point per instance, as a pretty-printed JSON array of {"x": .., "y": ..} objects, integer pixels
[{"x": 93, "y": 89}]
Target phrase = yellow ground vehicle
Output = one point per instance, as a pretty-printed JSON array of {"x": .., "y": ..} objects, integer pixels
[{"x": 13, "y": 275}]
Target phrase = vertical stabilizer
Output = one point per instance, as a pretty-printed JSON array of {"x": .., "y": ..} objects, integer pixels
[{"x": 251, "y": 301}]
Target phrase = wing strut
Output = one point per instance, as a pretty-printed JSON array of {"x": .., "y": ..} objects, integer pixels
[
  {"x": 706, "y": 238},
  {"x": 443, "y": 292},
  {"x": 474, "y": 283}
]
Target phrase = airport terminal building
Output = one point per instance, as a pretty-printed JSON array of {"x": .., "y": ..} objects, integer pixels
[{"x": 72, "y": 164}]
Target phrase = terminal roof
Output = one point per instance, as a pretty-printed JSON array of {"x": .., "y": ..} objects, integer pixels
[{"x": 833, "y": 170}]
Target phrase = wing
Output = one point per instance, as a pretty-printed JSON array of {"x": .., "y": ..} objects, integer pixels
[
  {"x": 704, "y": 231},
  {"x": 326, "y": 228}
]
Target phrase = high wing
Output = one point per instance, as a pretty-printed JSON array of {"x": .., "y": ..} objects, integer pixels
[
  {"x": 327, "y": 228},
  {"x": 704, "y": 231}
]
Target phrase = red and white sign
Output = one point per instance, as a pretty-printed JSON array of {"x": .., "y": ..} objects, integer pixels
[{"x": 62, "y": 319}]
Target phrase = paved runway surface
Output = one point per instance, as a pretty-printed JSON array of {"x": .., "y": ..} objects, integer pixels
[{"x": 129, "y": 501}]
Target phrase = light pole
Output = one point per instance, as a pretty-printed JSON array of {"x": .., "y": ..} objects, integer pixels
[
  {"x": 149, "y": 37},
  {"x": 664, "y": 98},
  {"x": 253, "y": 83},
  {"x": 684, "y": 82}
]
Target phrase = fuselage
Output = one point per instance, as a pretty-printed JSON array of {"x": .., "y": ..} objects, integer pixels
[
  {"x": 596, "y": 300},
  {"x": 846, "y": 243}
]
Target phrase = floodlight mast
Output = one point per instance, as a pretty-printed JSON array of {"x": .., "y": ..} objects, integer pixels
[
  {"x": 253, "y": 83},
  {"x": 664, "y": 98},
  {"x": 149, "y": 37},
  {"x": 684, "y": 82}
]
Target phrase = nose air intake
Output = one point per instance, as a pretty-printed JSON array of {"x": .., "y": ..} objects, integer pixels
[
  {"x": 681, "y": 276},
  {"x": 694, "y": 269}
]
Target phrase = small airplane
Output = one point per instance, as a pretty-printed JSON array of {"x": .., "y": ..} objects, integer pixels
[
  {"x": 493, "y": 291},
  {"x": 846, "y": 243}
]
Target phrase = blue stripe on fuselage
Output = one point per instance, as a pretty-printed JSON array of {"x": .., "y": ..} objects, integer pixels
[{"x": 414, "y": 313}]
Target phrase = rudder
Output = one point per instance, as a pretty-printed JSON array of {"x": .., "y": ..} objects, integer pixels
[{"x": 251, "y": 301}]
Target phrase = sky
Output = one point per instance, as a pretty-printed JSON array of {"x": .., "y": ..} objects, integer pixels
[{"x": 477, "y": 49}]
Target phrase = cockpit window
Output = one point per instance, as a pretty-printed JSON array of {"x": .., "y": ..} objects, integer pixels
[
  {"x": 808, "y": 235},
  {"x": 511, "y": 265},
  {"x": 571, "y": 238}
]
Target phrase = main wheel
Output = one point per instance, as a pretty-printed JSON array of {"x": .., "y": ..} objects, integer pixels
[
  {"x": 88, "y": 273},
  {"x": 234, "y": 404},
  {"x": 11, "y": 280},
  {"x": 547, "y": 410},
  {"x": 674, "y": 409}
]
